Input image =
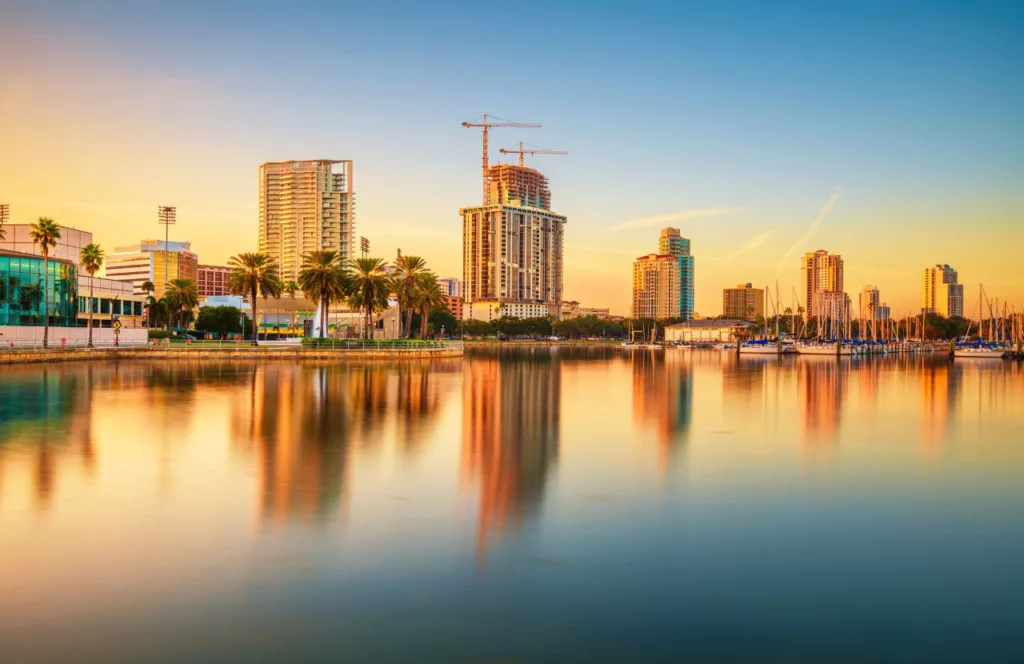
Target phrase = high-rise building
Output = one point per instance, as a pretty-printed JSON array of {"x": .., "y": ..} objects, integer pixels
[
  {"x": 450, "y": 286},
  {"x": 305, "y": 206},
  {"x": 941, "y": 293},
  {"x": 656, "y": 286},
  {"x": 820, "y": 271},
  {"x": 213, "y": 280},
  {"x": 833, "y": 305},
  {"x": 671, "y": 243},
  {"x": 155, "y": 261},
  {"x": 743, "y": 302},
  {"x": 870, "y": 301},
  {"x": 512, "y": 249}
]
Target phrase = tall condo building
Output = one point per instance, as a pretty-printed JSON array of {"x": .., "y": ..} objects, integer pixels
[
  {"x": 941, "y": 293},
  {"x": 512, "y": 249},
  {"x": 305, "y": 206},
  {"x": 656, "y": 283},
  {"x": 870, "y": 301},
  {"x": 820, "y": 271},
  {"x": 671, "y": 243},
  {"x": 743, "y": 302},
  {"x": 153, "y": 260}
]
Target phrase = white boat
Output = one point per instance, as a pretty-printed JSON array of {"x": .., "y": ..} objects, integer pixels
[
  {"x": 980, "y": 353},
  {"x": 759, "y": 349},
  {"x": 824, "y": 349}
]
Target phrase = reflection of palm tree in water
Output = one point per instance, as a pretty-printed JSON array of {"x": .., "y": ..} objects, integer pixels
[{"x": 510, "y": 436}]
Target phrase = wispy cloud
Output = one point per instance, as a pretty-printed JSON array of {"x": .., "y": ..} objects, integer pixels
[
  {"x": 747, "y": 247},
  {"x": 675, "y": 217},
  {"x": 812, "y": 230}
]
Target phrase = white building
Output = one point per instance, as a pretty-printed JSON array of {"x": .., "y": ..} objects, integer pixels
[{"x": 712, "y": 330}]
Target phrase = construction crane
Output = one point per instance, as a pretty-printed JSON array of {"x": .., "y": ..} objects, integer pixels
[
  {"x": 486, "y": 126},
  {"x": 532, "y": 150}
]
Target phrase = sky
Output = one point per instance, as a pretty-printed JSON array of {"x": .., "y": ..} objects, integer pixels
[{"x": 887, "y": 132}]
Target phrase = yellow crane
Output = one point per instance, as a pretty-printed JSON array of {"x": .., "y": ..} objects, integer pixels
[
  {"x": 486, "y": 125},
  {"x": 532, "y": 150}
]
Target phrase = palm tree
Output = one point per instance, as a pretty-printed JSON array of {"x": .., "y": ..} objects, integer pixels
[
  {"x": 409, "y": 270},
  {"x": 148, "y": 287},
  {"x": 323, "y": 279},
  {"x": 182, "y": 298},
  {"x": 45, "y": 233},
  {"x": 155, "y": 309},
  {"x": 429, "y": 296},
  {"x": 370, "y": 288},
  {"x": 91, "y": 258},
  {"x": 291, "y": 288},
  {"x": 254, "y": 274}
]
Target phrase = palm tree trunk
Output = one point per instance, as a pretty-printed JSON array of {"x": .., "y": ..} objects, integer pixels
[
  {"x": 46, "y": 299},
  {"x": 408, "y": 322},
  {"x": 424, "y": 314},
  {"x": 323, "y": 315},
  {"x": 255, "y": 319},
  {"x": 90, "y": 310}
]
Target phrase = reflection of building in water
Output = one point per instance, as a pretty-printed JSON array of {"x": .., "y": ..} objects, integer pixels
[
  {"x": 46, "y": 416},
  {"x": 304, "y": 421},
  {"x": 821, "y": 384},
  {"x": 662, "y": 398},
  {"x": 298, "y": 420},
  {"x": 509, "y": 436},
  {"x": 940, "y": 389}
]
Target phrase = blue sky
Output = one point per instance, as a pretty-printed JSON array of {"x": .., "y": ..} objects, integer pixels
[{"x": 906, "y": 116}]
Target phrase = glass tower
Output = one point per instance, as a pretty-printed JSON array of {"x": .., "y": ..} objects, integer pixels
[{"x": 671, "y": 243}]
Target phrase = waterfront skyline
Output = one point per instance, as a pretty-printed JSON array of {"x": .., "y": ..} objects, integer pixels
[{"x": 821, "y": 127}]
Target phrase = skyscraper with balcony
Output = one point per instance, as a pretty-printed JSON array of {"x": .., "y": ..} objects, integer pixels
[
  {"x": 305, "y": 206},
  {"x": 656, "y": 284},
  {"x": 671, "y": 243},
  {"x": 820, "y": 271},
  {"x": 941, "y": 292},
  {"x": 512, "y": 249}
]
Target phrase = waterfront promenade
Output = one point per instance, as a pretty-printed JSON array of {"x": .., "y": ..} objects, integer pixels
[{"x": 390, "y": 349}]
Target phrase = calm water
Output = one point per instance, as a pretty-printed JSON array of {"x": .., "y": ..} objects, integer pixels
[{"x": 562, "y": 506}]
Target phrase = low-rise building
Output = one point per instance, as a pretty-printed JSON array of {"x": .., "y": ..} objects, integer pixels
[
  {"x": 714, "y": 330},
  {"x": 572, "y": 309},
  {"x": 492, "y": 309},
  {"x": 110, "y": 300},
  {"x": 213, "y": 280}
]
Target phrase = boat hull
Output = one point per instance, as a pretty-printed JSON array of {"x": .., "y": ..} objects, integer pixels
[{"x": 980, "y": 353}]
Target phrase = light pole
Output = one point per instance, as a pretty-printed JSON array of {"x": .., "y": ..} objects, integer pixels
[{"x": 167, "y": 215}]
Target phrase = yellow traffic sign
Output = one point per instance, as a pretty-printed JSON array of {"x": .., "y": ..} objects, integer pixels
[{"x": 117, "y": 325}]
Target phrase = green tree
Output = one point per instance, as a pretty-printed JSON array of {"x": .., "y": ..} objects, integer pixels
[
  {"x": 253, "y": 274},
  {"x": 91, "y": 259},
  {"x": 148, "y": 287},
  {"x": 324, "y": 279},
  {"x": 370, "y": 289},
  {"x": 291, "y": 288},
  {"x": 219, "y": 320},
  {"x": 182, "y": 298},
  {"x": 45, "y": 233},
  {"x": 427, "y": 297},
  {"x": 409, "y": 270}
]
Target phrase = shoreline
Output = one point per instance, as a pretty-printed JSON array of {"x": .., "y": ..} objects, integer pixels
[{"x": 62, "y": 355}]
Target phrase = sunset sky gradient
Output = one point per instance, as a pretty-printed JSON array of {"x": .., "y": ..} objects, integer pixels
[{"x": 888, "y": 132}]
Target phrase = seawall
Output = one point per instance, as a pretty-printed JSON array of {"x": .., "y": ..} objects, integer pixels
[{"x": 40, "y": 356}]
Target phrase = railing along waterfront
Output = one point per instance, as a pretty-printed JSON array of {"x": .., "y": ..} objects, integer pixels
[{"x": 237, "y": 344}]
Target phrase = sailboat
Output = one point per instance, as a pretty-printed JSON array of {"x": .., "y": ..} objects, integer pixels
[{"x": 979, "y": 350}]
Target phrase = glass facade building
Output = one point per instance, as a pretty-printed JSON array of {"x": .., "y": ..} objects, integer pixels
[{"x": 21, "y": 291}]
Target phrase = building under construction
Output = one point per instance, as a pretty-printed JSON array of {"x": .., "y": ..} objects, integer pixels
[{"x": 512, "y": 248}]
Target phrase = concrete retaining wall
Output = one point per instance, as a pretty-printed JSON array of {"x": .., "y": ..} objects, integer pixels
[{"x": 216, "y": 354}]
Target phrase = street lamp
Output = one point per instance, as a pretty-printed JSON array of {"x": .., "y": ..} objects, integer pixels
[{"x": 167, "y": 215}]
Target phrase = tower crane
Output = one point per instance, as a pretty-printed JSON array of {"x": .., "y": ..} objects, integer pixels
[
  {"x": 486, "y": 125},
  {"x": 532, "y": 150}
]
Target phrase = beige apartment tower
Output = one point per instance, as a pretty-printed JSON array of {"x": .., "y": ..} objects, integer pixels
[
  {"x": 743, "y": 302},
  {"x": 820, "y": 271},
  {"x": 941, "y": 292},
  {"x": 305, "y": 206},
  {"x": 512, "y": 249},
  {"x": 656, "y": 285}
]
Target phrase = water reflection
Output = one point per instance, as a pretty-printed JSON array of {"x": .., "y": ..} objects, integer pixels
[
  {"x": 510, "y": 429},
  {"x": 822, "y": 383},
  {"x": 662, "y": 399},
  {"x": 45, "y": 415}
]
